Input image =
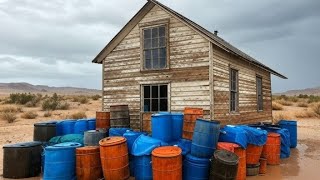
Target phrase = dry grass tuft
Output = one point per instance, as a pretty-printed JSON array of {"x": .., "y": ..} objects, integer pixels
[
  {"x": 29, "y": 115},
  {"x": 8, "y": 116},
  {"x": 316, "y": 109},
  {"x": 303, "y": 104},
  {"x": 78, "y": 115},
  {"x": 276, "y": 106},
  {"x": 47, "y": 114},
  {"x": 281, "y": 116},
  {"x": 305, "y": 114},
  {"x": 284, "y": 102}
]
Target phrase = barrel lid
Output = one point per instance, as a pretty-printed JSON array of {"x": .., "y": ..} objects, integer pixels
[
  {"x": 91, "y": 119},
  {"x": 228, "y": 145},
  {"x": 87, "y": 149},
  {"x": 226, "y": 157},
  {"x": 209, "y": 121},
  {"x": 167, "y": 151},
  {"x": 176, "y": 114},
  {"x": 159, "y": 115},
  {"x": 110, "y": 141},
  {"x": 51, "y": 124},
  {"x": 272, "y": 134},
  {"x": 288, "y": 122},
  {"x": 194, "y": 159},
  {"x": 24, "y": 145},
  {"x": 66, "y": 145}
]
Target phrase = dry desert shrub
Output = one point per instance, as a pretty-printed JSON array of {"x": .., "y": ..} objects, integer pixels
[
  {"x": 276, "y": 106},
  {"x": 47, "y": 114},
  {"x": 81, "y": 99},
  {"x": 95, "y": 97},
  {"x": 29, "y": 115},
  {"x": 13, "y": 109},
  {"x": 8, "y": 116},
  {"x": 316, "y": 108},
  {"x": 78, "y": 115}
]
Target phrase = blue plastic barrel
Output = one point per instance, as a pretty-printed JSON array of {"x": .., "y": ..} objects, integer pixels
[
  {"x": 142, "y": 167},
  {"x": 60, "y": 161},
  {"x": 177, "y": 126},
  {"x": 80, "y": 126},
  {"x": 59, "y": 129},
  {"x": 131, "y": 136},
  {"x": 196, "y": 168},
  {"x": 162, "y": 127},
  {"x": 118, "y": 131},
  {"x": 205, "y": 138},
  {"x": 92, "y": 124},
  {"x": 68, "y": 127},
  {"x": 292, "y": 127}
]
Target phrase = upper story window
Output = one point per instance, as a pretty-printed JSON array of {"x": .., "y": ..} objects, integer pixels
[
  {"x": 259, "y": 93},
  {"x": 234, "y": 90},
  {"x": 154, "y": 48}
]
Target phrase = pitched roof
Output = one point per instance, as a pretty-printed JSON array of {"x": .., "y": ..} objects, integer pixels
[{"x": 210, "y": 36}]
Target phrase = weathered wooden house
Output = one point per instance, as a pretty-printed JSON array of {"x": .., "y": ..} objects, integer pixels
[{"x": 163, "y": 61}]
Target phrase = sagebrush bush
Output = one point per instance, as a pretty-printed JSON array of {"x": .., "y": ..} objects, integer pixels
[
  {"x": 11, "y": 109},
  {"x": 281, "y": 116},
  {"x": 29, "y": 115},
  {"x": 316, "y": 109},
  {"x": 8, "y": 116},
  {"x": 28, "y": 99},
  {"x": 304, "y": 114},
  {"x": 54, "y": 103},
  {"x": 276, "y": 106},
  {"x": 78, "y": 115},
  {"x": 81, "y": 99},
  {"x": 95, "y": 97}
]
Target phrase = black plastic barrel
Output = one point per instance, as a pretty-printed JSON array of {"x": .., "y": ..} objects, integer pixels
[
  {"x": 44, "y": 131},
  {"x": 119, "y": 116},
  {"x": 92, "y": 137},
  {"x": 224, "y": 165},
  {"x": 22, "y": 160}
]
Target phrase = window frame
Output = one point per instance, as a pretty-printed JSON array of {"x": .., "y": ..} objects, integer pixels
[
  {"x": 236, "y": 91},
  {"x": 257, "y": 92},
  {"x": 148, "y": 25},
  {"x": 158, "y": 98}
]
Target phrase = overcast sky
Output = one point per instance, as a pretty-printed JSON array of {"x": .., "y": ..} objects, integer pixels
[{"x": 53, "y": 42}]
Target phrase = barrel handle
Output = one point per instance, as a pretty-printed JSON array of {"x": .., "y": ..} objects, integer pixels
[{"x": 223, "y": 132}]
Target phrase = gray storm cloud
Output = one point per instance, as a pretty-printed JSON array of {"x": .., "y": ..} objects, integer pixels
[{"x": 53, "y": 42}]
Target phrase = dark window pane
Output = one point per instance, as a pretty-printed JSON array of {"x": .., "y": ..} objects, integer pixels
[
  {"x": 155, "y": 54},
  {"x": 147, "y": 54},
  {"x": 162, "y": 42},
  {"x": 147, "y": 43},
  {"x": 163, "y": 62},
  {"x": 163, "y": 105},
  {"x": 155, "y": 105},
  {"x": 155, "y": 32},
  {"x": 155, "y": 91},
  {"x": 162, "y": 31},
  {"x": 155, "y": 42},
  {"x": 162, "y": 52},
  {"x": 156, "y": 64},
  {"x": 146, "y": 105},
  {"x": 163, "y": 91},
  {"x": 146, "y": 91},
  {"x": 148, "y": 63},
  {"x": 147, "y": 33}
]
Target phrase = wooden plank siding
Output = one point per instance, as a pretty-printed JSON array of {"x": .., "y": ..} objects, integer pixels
[
  {"x": 188, "y": 76},
  {"x": 222, "y": 62}
]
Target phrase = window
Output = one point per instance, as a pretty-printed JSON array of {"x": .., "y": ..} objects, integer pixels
[
  {"x": 155, "y": 98},
  {"x": 259, "y": 94},
  {"x": 233, "y": 90},
  {"x": 154, "y": 48}
]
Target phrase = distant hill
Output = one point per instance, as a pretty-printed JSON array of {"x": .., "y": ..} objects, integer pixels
[
  {"x": 309, "y": 91},
  {"x": 7, "y": 88}
]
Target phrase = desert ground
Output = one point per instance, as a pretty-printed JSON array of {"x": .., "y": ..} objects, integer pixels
[{"x": 303, "y": 163}]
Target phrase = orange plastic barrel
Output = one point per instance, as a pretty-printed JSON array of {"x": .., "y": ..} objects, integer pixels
[
  {"x": 114, "y": 158},
  {"x": 167, "y": 163},
  {"x": 88, "y": 164},
  {"x": 263, "y": 166},
  {"x": 271, "y": 150},
  {"x": 241, "y": 153},
  {"x": 189, "y": 121},
  {"x": 102, "y": 120},
  {"x": 253, "y": 154}
]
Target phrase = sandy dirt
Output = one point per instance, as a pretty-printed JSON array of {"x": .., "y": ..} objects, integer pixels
[{"x": 303, "y": 163}]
